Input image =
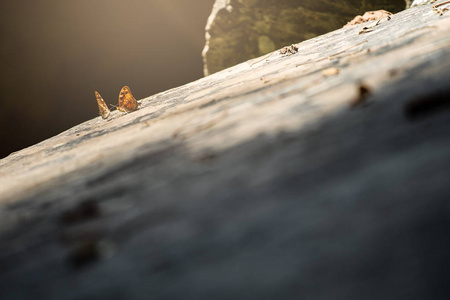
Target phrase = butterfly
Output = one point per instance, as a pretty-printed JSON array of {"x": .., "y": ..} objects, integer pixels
[
  {"x": 127, "y": 103},
  {"x": 103, "y": 109}
]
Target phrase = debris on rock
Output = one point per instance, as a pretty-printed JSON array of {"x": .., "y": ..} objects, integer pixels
[
  {"x": 289, "y": 50},
  {"x": 369, "y": 16}
]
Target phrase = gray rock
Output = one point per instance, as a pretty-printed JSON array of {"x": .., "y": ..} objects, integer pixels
[
  {"x": 274, "y": 179},
  {"x": 238, "y": 30}
]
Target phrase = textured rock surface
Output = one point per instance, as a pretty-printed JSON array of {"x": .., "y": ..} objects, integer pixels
[
  {"x": 422, "y": 2},
  {"x": 238, "y": 30},
  {"x": 274, "y": 179}
]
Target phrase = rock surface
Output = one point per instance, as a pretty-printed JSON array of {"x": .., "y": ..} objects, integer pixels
[
  {"x": 422, "y": 2},
  {"x": 274, "y": 179},
  {"x": 238, "y": 30}
]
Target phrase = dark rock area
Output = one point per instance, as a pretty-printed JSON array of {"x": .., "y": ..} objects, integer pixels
[{"x": 239, "y": 30}]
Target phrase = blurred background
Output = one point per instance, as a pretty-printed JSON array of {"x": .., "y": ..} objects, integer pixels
[{"x": 54, "y": 54}]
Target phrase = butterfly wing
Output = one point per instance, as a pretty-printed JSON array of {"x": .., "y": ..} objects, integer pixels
[
  {"x": 103, "y": 109},
  {"x": 127, "y": 103}
]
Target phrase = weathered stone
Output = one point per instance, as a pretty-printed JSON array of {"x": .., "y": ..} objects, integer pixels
[
  {"x": 422, "y": 2},
  {"x": 238, "y": 30},
  {"x": 274, "y": 179}
]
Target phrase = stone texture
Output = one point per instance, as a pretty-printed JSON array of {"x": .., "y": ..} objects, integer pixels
[
  {"x": 422, "y": 2},
  {"x": 268, "y": 180},
  {"x": 238, "y": 30}
]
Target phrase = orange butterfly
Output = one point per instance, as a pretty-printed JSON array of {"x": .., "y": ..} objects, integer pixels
[
  {"x": 103, "y": 109},
  {"x": 127, "y": 103}
]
